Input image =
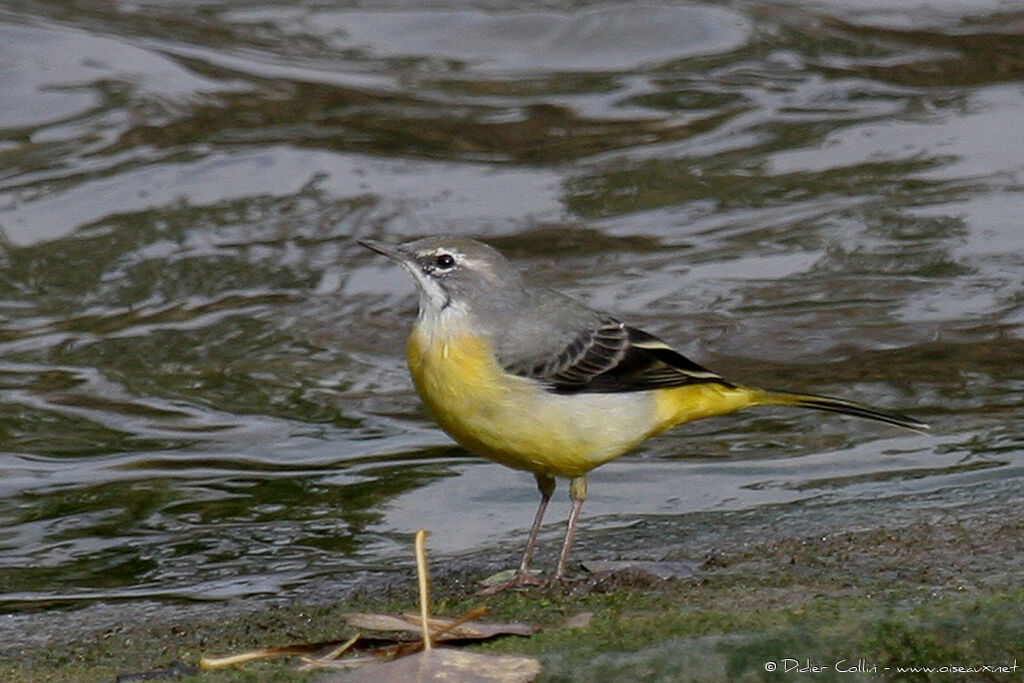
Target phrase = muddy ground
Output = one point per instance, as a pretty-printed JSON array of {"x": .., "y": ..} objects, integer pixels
[{"x": 815, "y": 591}]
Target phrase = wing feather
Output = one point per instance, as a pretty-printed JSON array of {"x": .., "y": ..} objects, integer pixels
[{"x": 614, "y": 357}]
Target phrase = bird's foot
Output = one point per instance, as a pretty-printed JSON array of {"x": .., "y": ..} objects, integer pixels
[{"x": 520, "y": 578}]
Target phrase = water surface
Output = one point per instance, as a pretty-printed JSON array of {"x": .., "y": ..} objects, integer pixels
[{"x": 201, "y": 377}]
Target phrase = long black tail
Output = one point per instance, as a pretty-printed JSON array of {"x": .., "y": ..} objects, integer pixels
[{"x": 838, "y": 405}]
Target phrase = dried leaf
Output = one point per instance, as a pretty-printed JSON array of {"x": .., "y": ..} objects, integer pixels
[
  {"x": 325, "y": 658},
  {"x": 379, "y": 622},
  {"x": 445, "y": 664},
  {"x": 395, "y": 663},
  {"x": 410, "y": 623}
]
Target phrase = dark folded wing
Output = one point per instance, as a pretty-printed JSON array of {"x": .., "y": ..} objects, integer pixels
[{"x": 613, "y": 358}]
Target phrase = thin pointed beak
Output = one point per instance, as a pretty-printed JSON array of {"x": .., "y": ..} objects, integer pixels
[{"x": 395, "y": 252}]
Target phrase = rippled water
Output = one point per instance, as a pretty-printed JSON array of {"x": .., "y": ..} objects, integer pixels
[{"x": 201, "y": 377}]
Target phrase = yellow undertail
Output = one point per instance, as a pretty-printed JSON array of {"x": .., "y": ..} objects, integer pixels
[{"x": 695, "y": 401}]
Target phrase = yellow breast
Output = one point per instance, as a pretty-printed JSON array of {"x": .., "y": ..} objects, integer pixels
[{"x": 514, "y": 420}]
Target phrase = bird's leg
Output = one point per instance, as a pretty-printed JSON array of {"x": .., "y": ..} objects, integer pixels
[
  {"x": 522, "y": 577},
  {"x": 546, "y": 484},
  {"x": 578, "y": 494}
]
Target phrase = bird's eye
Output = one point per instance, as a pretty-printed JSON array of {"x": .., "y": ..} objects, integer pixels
[{"x": 444, "y": 261}]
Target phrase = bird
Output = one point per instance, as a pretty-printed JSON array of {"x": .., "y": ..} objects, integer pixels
[{"x": 532, "y": 379}]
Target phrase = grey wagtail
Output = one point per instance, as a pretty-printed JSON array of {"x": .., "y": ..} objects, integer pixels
[{"x": 534, "y": 380}]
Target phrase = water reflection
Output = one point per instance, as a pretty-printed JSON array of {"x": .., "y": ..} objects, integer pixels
[
  {"x": 527, "y": 40},
  {"x": 201, "y": 386}
]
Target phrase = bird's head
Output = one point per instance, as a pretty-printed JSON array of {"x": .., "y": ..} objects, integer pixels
[{"x": 454, "y": 271}]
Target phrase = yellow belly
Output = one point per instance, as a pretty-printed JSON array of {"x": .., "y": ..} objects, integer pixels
[{"x": 513, "y": 420}]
